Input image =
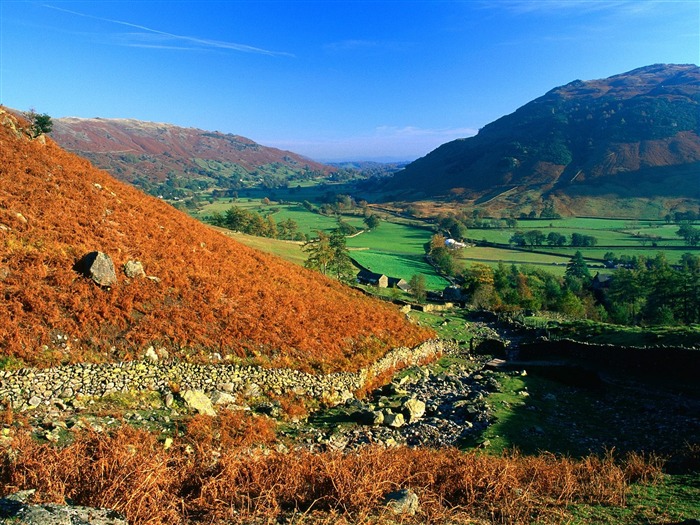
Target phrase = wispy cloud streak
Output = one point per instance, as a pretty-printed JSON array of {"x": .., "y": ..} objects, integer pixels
[
  {"x": 629, "y": 7},
  {"x": 140, "y": 39}
]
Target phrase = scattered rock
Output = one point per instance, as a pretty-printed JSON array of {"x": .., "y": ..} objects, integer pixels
[
  {"x": 151, "y": 355},
  {"x": 404, "y": 502},
  {"x": 198, "y": 400},
  {"x": 99, "y": 267},
  {"x": 222, "y": 398},
  {"x": 134, "y": 269},
  {"x": 377, "y": 417},
  {"x": 393, "y": 420},
  {"x": 168, "y": 400},
  {"x": 251, "y": 390},
  {"x": 414, "y": 409}
]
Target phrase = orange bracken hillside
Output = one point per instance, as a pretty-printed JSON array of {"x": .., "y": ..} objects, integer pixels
[{"x": 211, "y": 294}]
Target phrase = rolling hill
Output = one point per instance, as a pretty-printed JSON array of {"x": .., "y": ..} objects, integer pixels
[
  {"x": 631, "y": 136},
  {"x": 202, "y": 292},
  {"x": 163, "y": 158}
]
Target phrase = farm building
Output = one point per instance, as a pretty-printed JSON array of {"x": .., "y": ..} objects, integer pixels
[
  {"x": 454, "y": 245},
  {"x": 401, "y": 284},
  {"x": 600, "y": 281},
  {"x": 374, "y": 279},
  {"x": 381, "y": 281}
]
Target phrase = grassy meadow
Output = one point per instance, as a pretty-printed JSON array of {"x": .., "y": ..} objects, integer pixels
[{"x": 397, "y": 247}]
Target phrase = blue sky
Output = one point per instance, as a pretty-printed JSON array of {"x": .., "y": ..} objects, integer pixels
[{"x": 328, "y": 79}]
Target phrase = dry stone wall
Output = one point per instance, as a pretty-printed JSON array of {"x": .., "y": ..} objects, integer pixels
[{"x": 31, "y": 387}]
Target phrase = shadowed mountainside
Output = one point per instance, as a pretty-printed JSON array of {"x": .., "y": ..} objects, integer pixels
[
  {"x": 633, "y": 135},
  {"x": 208, "y": 292}
]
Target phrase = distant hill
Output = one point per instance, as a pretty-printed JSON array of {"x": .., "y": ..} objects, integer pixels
[
  {"x": 202, "y": 293},
  {"x": 630, "y": 136},
  {"x": 368, "y": 168},
  {"x": 161, "y": 157}
]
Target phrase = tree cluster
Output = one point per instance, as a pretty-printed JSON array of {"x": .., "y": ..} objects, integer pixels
[
  {"x": 328, "y": 254},
  {"x": 538, "y": 238},
  {"x": 646, "y": 291},
  {"x": 511, "y": 288},
  {"x": 653, "y": 291},
  {"x": 253, "y": 223}
]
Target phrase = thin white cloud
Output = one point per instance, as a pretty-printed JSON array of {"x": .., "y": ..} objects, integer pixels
[
  {"x": 365, "y": 45},
  {"x": 412, "y": 131},
  {"x": 164, "y": 37},
  {"x": 628, "y": 7}
]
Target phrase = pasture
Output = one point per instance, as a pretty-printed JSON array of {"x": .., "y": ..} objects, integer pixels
[
  {"x": 396, "y": 250},
  {"x": 608, "y": 232}
]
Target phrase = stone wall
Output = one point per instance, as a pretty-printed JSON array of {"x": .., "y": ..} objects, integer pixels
[{"x": 29, "y": 387}]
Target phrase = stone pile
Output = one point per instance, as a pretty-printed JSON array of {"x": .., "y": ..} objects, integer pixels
[{"x": 433, "y": 409}]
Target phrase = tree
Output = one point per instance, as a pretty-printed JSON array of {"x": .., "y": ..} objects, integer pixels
[
  {"x": 578, "y": 239},
  {"x": 556, "y": 239},
  {"x": 534, "y": 237},
  {"x": 418, "y": 287},
  {"x": 577, "y": 275},
  {"x": 340, "y": 264},
  {"x": 371, "y": 221},
  {"x": 517, "y": 239},
  {"x": 690, "y": 234},
  {"x": 626, "y": 293},
  {"x": 346, "y": 228},
  {"x": 320, "y": 252},
  {"x": 40, "y": 123}
]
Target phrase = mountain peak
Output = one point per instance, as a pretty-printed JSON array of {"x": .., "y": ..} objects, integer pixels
[{"x": 629, "y": 132}]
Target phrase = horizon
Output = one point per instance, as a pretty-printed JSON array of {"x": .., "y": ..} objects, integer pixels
[{"x": 335, "y": 82}]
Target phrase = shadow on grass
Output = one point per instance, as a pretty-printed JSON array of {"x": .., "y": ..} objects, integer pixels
[{"x": 553, "y": 409}]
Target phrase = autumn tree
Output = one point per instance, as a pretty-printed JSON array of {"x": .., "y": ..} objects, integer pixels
[{"x": 329, "y": 255}]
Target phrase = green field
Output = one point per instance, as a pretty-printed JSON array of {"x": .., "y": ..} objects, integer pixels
[
  {"x": 608, "y": 232},
  {"x": 396, "y": 250},
  {"x": 288, "y": 250},
  {"x": 397, "y": 247},
  {"x": 309, "y": 223}
]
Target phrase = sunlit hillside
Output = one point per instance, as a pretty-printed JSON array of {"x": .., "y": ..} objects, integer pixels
[{"x": 202, "y": 293}]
